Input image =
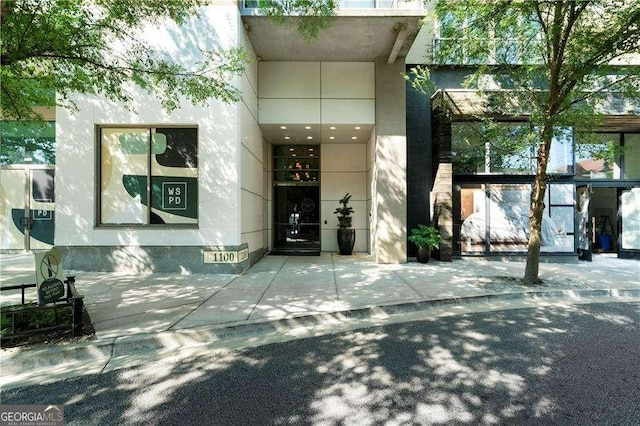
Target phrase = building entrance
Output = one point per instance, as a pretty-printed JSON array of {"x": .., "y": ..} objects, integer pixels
[
  {"x": 296, "y": 198},
  {"x": 27, "y": 208},
  {"x": 608, "y": 220}
]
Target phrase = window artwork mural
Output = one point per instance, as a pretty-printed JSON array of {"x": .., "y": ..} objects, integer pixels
[
  {"x": 148, "y": 176},
  {"x": 495, "y": 218}
]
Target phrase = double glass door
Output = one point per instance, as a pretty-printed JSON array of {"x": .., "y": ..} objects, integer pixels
[
  {"x": 603, "y": 226},
  {"x": 296, "y": 200},
  {"x": 629, "y": 222},
  {"x": 27, "y": 203},
  {"x": 297, "y": 226}
]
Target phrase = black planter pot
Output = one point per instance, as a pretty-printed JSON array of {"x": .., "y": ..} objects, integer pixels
[
  {"x": 346, "y": 240},
  {"x": 424, "y": 254}
]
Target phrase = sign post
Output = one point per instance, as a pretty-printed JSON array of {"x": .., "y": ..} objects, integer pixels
[{"x": 49, "y": 276}]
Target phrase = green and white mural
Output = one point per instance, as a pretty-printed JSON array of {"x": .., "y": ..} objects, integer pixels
[
  {"x": 148, "y": 176},
  {"x": 27, "y": 208}
]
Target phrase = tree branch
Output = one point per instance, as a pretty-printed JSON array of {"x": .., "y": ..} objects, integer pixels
[{"x": 589, "y": 94}]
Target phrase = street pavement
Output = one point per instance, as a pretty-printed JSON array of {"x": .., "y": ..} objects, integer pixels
[
  {"x": 142, "y": 318},
  {"x": 556, "y": 365}
]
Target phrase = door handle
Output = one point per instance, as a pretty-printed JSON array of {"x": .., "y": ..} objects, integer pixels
[{"x": 25, "y": 222}]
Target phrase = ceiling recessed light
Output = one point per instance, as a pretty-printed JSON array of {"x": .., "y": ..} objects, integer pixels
[
  {"x": 307, "y": 127},
  {"x": 332, "y": 137},
  {"x": 287, "y": 137},
  {"x": 291, "y": 149},
  {"x": 293, "y": 155},
  {"x": 283, "y": 127},
  {"x": 354, "y": 137},
  {"x": 310, "y": 155},
  {"x": 357, "y": 127},
  {"x": 332, "y": 127},
  {"x": 309, "y": 137},
  {"x": 310, "y": 149}
]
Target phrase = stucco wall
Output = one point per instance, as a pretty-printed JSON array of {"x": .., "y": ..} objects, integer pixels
[
  {"x": 254, "y": 153},
  {"x": 219, "y": 150}
]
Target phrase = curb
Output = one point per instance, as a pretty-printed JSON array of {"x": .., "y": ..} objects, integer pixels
[{"x": 23, "y": 367}]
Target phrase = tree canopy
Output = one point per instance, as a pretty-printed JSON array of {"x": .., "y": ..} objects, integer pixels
[
  {"x": 557, "y": 62},
  {"x": 310, "y": 16},
  {"x": 51, "y": 49},
  {"x": 62, "y": 47}
]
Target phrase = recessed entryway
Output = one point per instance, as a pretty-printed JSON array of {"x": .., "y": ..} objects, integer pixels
[{"x": 296, "y": 199}]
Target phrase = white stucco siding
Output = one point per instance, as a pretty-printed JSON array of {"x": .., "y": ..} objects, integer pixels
[
  {"x": 343, "y": 171},
  {"x": 219, "y": 153},
  {"x": 253, "y": 196}
]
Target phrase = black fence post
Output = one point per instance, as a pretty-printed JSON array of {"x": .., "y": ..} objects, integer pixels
[
  {"x": 70, "y": 281},
  {"x": 77, "y": 305}
]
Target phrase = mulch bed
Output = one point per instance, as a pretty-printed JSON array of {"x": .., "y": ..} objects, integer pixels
[{"x": 53, "y": 337}]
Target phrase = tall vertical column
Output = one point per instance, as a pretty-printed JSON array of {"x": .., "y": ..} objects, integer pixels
[{"x": 389, "y": 187}]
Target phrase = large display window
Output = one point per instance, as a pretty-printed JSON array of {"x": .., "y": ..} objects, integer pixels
[
  {"x": 148, "y": 176},
  {"x": 507, "y": 148},
  {"x": 608, "y": 156},
  {"x": 631, "y": 156},
  {"x": 494, "y": 218},
  {"x": 598, "y": 156}
]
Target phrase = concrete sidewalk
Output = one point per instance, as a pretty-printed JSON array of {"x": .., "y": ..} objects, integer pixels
[{"x": 142, "y": 318}]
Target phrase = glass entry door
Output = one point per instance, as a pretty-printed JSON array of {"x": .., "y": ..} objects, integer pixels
[
  {"x": 296, "y": 200},
  {"x": 27, "y": 203},
  {"x": 629, "y": 213},
  {"x": 583, "y": 218},
  {"x": 297, "y": 226}
]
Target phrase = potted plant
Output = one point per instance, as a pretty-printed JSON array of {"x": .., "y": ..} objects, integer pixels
[
  {"x": 346, "y": 235},
  {"x": 426, "y": 238}
]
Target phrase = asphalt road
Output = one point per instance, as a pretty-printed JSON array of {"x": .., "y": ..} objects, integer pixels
[{"x": 572, "y": 365}]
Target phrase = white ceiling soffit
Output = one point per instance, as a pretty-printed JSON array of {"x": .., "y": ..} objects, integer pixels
[
  {"x": 351, "y": 39},
  {"x": 316, "y": 133}
]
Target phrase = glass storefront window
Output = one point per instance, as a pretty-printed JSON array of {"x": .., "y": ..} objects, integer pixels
[
  {"x": 467, "y": 148},
  {"x": 561, "y": 153},
  {"x": 28, "y": 142},
  {"x": 148, "y": 176},
  {"x": 632, "y": 156},
  {"x": 495, "y": 218},
  {"x": 509, "y": 217},
  {"x": 598, "y": 155},
  {"x": 506, "y": 148},
  {"x": 473, "y": 232},
  {"x": 560, "y": 211}
]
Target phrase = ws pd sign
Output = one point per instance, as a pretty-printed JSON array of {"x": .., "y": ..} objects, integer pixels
[{"x": 174, "y": 195}]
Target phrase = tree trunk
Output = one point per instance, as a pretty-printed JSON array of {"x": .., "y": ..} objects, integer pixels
[{"x": 536, "y": 209}]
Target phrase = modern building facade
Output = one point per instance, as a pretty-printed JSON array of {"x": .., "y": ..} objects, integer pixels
[{"x": 213, "y": 189}]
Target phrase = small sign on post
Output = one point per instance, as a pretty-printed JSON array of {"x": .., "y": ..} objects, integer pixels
[{"x": 49, "y": 276}]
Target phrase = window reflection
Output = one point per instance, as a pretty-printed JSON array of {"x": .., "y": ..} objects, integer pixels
[
  {"x": 495, "y": 218},
  {"x": 507, "y": 148},
  {"x": 597, "y": 155}
]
